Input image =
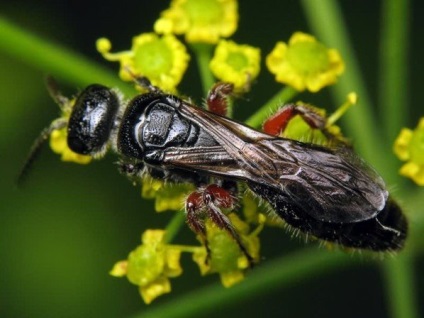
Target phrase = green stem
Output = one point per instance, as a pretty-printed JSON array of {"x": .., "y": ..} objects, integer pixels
[
  {"x": 327, "y": 22},
  {"x": 275, "y": 275},
  {"x": 393, "y": 77},
  {"x": 174, "y": 226},
  {"x": 400, "y": 286},
  {"x": 54, "y": 59},
  {"x": 415, "y": 206},
  {"x": 279, "y": 99},
  {"x": 393, "y": 98},
  {"x": 203, "y": 53}
]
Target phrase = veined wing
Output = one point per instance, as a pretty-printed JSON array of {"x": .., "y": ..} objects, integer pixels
[{"x": 333, "y": 185}]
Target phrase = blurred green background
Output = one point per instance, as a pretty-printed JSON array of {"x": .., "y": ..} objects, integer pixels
[{"x": 61, "y": 233}]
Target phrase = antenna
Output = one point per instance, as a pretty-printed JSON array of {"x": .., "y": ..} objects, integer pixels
[
  {"x": 36, "y": 147},
  {"x": 64, "y": 104}
]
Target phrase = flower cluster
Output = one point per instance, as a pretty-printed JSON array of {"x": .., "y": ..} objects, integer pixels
[
  {"x": 409, "y": 147},
  {"x": 163, "y": 58},
  {"x": 225, "y": 256},
  {"x": 205, "y": 21},
  {"x": 304, "y": 63},
  {"x": 154, "y": 262},
  {"x": 234, "y": 63},
  {"x": 151, "y": 265}
]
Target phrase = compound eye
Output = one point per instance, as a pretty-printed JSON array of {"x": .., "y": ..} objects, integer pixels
[{"x": 91, "y": 120}]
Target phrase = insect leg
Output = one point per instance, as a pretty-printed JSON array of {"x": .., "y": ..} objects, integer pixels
[
  {"x": 194, "y": 210},
  {"x": 143, "y": 82},
  {"x": 215, "y": 198},
  {"x": 130, "y": 169},
  {"x": 194, "y": 206},
  {"x": 278, "y": 122},
  {"x": 217, "y": 98}
]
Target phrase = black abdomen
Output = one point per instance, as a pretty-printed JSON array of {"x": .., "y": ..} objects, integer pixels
[{"x": 386, "y": 231}]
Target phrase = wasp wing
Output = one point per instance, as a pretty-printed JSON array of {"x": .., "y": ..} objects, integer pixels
[
  {"x": 213, "y": 160},
  {"x": 331, "y": 185}
]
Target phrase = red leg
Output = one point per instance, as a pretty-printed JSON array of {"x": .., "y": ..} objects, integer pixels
[
  {"x": 278, "y": 122},
  {"x": 194, "y": 207},
  {"x": 194, "y": 214},
  {"x": 209, "y": 202},
  {"x": 220, "y": 196},
  {"x": 217, "y": 98},
  {"x": 216, "y": 198}
]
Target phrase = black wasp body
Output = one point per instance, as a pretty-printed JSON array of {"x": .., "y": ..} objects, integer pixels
[{"x": 328, "y": 193}]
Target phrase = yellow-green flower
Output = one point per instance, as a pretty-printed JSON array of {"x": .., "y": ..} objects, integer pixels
[
  {"x": 162, "y": 59},
  {"x": 168, "y": 196},
  {"x": 409, "y": 146},
  {"x": 225, "y": 255},
  {"x": 235, "y": 63},
  {"x": 151, "y": 265},
  {"x": 304, "y": 63},
  {"x": 202, "y": 21}
]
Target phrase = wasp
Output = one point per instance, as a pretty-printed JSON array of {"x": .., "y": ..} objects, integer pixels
[{"x": 326, "y": 192}]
